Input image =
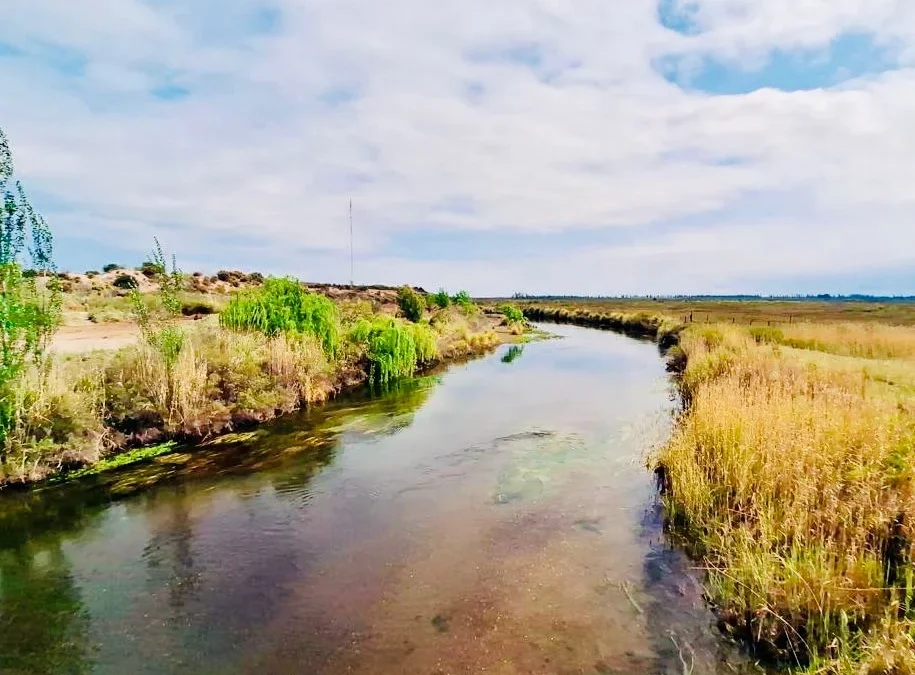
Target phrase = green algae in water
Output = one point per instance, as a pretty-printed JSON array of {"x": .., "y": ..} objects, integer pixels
[{"x": 117, "y": 462}]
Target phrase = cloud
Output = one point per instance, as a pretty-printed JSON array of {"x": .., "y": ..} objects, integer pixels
[{"x": 239, "y": 130}]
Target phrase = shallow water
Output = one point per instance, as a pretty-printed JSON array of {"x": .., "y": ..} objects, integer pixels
[{"x": 496, "y": 518}]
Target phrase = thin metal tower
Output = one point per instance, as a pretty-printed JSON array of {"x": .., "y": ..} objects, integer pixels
[{"x": 351, "y": 275}]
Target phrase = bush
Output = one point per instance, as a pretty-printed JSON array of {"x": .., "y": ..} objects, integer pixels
[
  {"x": 284, "y": 306},
  {"x": 256, "y": 278},
  {"x": 124, "y": 281},
  {"x": 441, "y": 299},
  {"x": 92, "y": 274},
  {"x": 393, "y": 348},
  {"x": 462, "y": 299},
  {"x": 411, "y": 303},
  {"x": 151, "y": 269},
  {"x": 511, "y": 313},
  {"x": 196, "y": 308},
  {"x": 111, "y": 267}
]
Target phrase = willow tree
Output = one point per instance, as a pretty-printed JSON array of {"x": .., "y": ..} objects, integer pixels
[{"x": 30, "y": 302}]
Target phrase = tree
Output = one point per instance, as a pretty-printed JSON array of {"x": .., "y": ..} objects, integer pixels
[
  {"x": 411, "y": 303},
  {"x": 30, "y": 304}
]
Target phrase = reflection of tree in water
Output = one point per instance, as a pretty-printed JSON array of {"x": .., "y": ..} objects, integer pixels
[
  {"x": 44, "y": 627},
  {"x": 514, "y": 352},
  {"x": 169, "y": 554}
]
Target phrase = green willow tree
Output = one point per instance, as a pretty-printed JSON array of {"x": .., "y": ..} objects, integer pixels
[{"x": 30, "y": 298}]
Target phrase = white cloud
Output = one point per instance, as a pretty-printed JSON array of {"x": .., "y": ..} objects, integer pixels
[{"x": 449, "y": 128}]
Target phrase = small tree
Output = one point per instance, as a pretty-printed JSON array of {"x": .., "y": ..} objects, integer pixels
[
  {"x": 441, "y": 299},
  {"x": 160, "y": 328},
  {"x": 411, "y": 303},
  {"x": 29, "y": 311}
]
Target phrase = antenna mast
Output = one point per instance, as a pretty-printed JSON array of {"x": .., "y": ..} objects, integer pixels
[{"x": 351, "y": 276}]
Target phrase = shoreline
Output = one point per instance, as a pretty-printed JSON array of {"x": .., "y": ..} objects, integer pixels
[{"x": 772, "y": 419}]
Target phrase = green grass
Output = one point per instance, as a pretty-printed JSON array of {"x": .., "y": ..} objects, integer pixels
[{"x": 284, "y": 306}]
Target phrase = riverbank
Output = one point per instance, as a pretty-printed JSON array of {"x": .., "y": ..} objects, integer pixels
[
  {"x": 85, "y": 410},
  {"x": 790, "y": 476}
]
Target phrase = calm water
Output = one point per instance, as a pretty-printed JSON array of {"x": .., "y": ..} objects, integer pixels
[{"x": 497, "y": 518}]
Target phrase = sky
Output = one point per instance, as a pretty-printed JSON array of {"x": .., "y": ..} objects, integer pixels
[{"x": 537, "y": 146}]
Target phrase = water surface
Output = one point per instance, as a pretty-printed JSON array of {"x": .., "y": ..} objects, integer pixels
[{"x": 497, "y": 518}]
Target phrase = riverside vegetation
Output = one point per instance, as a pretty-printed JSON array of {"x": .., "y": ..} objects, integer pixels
[
  {"x": 791, "y": 475},
  {"x": 277, "y": 346}
]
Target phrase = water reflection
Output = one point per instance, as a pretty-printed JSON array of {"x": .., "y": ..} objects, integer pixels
[
  {"x": 513, "y": 353},
  {"x": 43, "y": 622}
]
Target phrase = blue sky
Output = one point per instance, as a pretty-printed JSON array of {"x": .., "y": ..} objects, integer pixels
[{"x": 613, "y": 146}]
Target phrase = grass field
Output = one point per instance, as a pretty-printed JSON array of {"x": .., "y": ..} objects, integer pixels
[
  {"x": 791, "y": 472},
  {"x": 747, "y": 312}
]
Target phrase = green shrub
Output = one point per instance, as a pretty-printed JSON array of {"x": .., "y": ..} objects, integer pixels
[
  {"x": 111, "y": 267},
  {"x": 284, "y": 306},
  {"x": 441, "y": 299},
  {"x": 151, "y": 269},
  {"x": 124, "y": 281},
  {"x": 511, "y": 313},
  {"x": 463, "y": 300},
  {"x": 393, "y": 348},
  {"x": 196, "y": 308},
  {"x": 92, "y": 273},
  {"x": 411, "y": 303}
]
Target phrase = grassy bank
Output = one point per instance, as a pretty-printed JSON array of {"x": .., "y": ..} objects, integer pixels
[
  {"x": 753, "y": 312},
  {"x": 637, "y": 324},
  {"x": 791, "y": 476},
  {"x": 274, "y": 349}
]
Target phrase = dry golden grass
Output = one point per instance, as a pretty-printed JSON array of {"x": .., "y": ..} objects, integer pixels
[
  {"x": 794, "y": 476},
  {"x": 871, "y": 341},
  {"x": 745, "y": 312}
]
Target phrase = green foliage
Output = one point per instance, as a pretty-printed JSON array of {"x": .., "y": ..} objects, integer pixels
[
  {"x": 393, "y": 348},
  {"x": 124, "y": 281},
  {"x": 511, "y": 313},
  {"x": 111, "y": 267},
  {"x": 29, "y": 314},
  {"x": 463, "y": 300},
  {"x": 411, "y": 303},
  {"x": 159, "y": 328},
  {"x": 441, "y": 299},
  {"x": 92, "y": 273},
  {"x": 151, "y": 269},
  {"x": 284, "y": 306}
]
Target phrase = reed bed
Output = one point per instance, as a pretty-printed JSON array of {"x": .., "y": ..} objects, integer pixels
[{"x": 793, "y": 482}]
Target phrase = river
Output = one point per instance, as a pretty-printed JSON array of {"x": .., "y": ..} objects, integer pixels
[{"x": 497, "y": 517}]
